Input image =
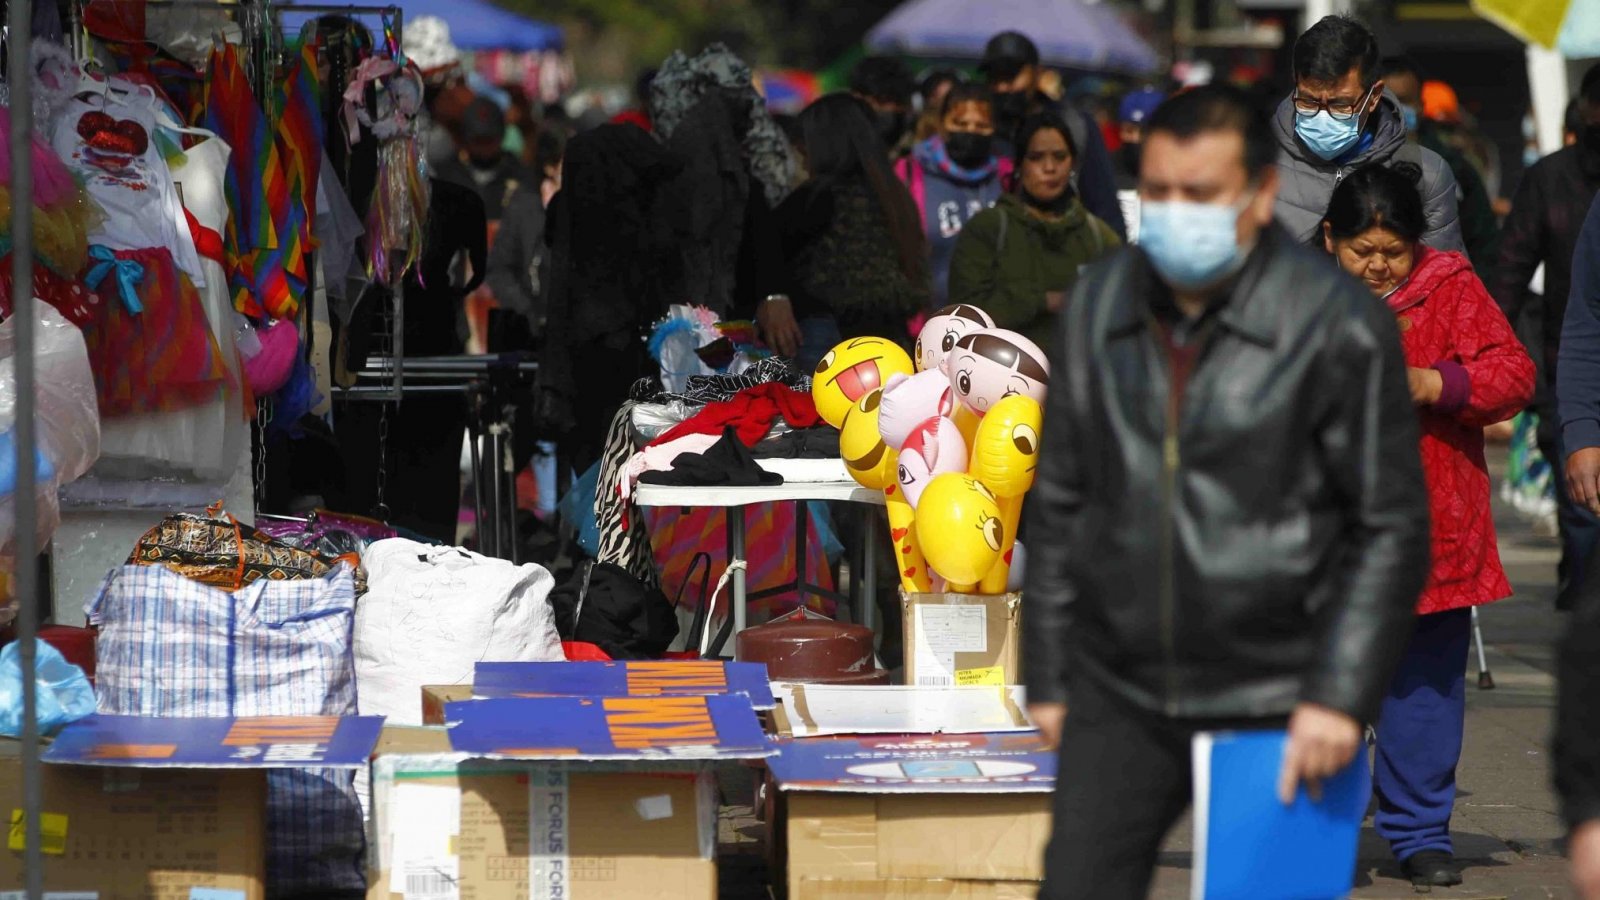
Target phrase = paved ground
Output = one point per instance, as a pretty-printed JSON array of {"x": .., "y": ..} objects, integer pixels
[{"x": 1505, "y": 826}]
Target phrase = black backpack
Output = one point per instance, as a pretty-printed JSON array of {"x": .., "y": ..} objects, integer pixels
[{"x": 603, "y": 605}]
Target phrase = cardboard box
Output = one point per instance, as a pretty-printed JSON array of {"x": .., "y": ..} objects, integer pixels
[
  {"x": 817, "y": 710},
  {"x": 435, "y": 696},
  {"x": 503, "y": 829},
  {"x": 962, "y": 639},
  {"x": 624, "y": 678},
  {"x": 141, "y": 834},
  {"x": 960, "y": 817}
]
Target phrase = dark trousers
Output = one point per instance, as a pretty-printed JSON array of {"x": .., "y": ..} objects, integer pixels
[
  {"x": 1419, "y": 736},
  {"x": 1126, "y": 778},
  {"x": 1580, "y": 530}
]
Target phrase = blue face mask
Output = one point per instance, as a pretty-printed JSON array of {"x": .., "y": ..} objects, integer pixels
[
  {"x": 1326, "y": 136},
  {"x": 1192, "y": 245},
  {"x": 1408, "y": 116}
]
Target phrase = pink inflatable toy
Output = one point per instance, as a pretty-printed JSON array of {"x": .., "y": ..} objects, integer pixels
[{"x": 991, "y": 364}]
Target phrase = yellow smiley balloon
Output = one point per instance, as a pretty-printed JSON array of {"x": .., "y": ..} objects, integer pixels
[
  {"x": 1005, "y": 454},
  {"x": 960, "y": 530},
  {"x": 851, "y": 371}
]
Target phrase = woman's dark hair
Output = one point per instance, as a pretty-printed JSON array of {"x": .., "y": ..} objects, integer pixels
[
  {"x": 966, "y": 93},
  {"x": 841, "y": 146},
  {"x": 548, "y": 149},
  {"x": 1378, "y": 196},
  {"x": 929, "y": 82},
  {"x": 1045, "y": 121}
]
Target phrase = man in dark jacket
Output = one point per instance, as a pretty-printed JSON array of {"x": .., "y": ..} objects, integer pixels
[
  {"x": 1340, "y": 118},
  {"x": 1231, "y": 484},
  {"x": 1011, "y": 63},
  {"x": 483, "y": 164},
  {"x": 1542, "y": 230}
]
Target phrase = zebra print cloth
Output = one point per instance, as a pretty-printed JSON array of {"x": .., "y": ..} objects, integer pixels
[{"x": 624, "y": 541}]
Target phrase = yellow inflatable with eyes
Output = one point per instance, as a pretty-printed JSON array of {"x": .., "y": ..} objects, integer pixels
[
  {"x": 851, "y": 371},
  {"x": 959, "y": 528},
  {"x": 876, "y": 465},
  {"x": 1005, "y": 454}
]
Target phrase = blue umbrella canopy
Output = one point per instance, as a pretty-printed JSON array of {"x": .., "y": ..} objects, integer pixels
[
  {"x": 475, "y": 25},
  {"x": 1067, "y": 32}
]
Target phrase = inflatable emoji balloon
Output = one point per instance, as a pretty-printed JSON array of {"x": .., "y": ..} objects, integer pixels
[
  {"x": 935, "y": 448},
  {"x": 867, "y": 458},
  {"x": 873, "y": 464},
  {"x": 1005, "y": 453},
  {"x": 959, "y": 529},
  {"x": 851, "y": 371},
  {"x": 909, "y": 402},
  {"x": 991, "y": 364},
  {"x": 943, "y": 329}
]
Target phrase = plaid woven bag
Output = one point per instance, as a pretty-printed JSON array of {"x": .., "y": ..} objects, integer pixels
[{"x": 171, "y": 646}]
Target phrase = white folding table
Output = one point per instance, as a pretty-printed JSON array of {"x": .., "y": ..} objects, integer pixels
[{"x": 736, "y": 499}]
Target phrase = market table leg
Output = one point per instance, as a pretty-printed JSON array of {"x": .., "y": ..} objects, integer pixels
[{"x": 736, "y": 551}]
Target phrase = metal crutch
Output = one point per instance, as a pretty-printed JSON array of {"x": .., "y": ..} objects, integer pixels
[{"x": 1485, "y": 677}]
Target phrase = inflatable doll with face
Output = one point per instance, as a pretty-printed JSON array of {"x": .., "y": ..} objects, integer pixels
[
  {"x": 1005, "y": 453},
  {"x": 943, "y": 329},
  {"x": 992, "y": 364},
  {"x": 909, "y": 402},
  {"x": 934, "y": 448},
  {"x": 851, "y": 371}
]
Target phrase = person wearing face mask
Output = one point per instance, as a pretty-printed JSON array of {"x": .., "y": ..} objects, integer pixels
[
  {"x": 1338, "y": 118},
  {"x": 886, "y": 86},
  {"x": 1018, "y": 260},
  {"x": 1479, "y": 230},
  {"x": 1547, "y": 214},
  {"x": 1209, "y": 564},
  {"x": 1011, "y": 65},
  {"x": 953, "y": 176},
  {"x": 1466, "y": 371},
  {"x": 482, "y": 163}
]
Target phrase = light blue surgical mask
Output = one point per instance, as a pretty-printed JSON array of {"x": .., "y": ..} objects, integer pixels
[
  {"x": 1408, "y": 116},
  {"x": 1192, "y": 245},
  {"x": 1326, "y": 136}
]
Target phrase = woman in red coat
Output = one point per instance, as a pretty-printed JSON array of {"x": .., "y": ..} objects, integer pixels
[{"x": 1467, "y": 371}]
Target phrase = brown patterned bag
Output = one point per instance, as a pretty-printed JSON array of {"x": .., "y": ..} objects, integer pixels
[{"x": 219, "y": 550}]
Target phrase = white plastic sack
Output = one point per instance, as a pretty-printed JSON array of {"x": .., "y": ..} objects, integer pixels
[
  {"x": 432, "y": 613},
  {"x": 66, "y": 413}
]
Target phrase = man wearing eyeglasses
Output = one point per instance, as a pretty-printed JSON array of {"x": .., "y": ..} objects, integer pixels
[{"x": 1340, "y": 118}]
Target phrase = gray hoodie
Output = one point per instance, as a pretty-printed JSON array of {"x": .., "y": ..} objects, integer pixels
[{"x": 1306, "y": 181}]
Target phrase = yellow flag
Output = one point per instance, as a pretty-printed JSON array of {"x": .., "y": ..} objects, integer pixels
[{"x": 1538, "y": 21}]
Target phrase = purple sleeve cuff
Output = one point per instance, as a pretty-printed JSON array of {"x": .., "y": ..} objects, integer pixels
[{"x": 1457, "y": 388}]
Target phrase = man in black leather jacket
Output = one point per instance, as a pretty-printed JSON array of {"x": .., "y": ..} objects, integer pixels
[{"x": 1237, "y": 521}]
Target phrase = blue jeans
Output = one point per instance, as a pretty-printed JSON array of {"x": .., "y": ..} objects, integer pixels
[
  {"x": 818, "y": 335},
  {"x": 1419, "y": 736}
]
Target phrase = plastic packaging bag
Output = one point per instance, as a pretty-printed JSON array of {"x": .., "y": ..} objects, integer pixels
[
  {"x": 67, "y": 415},
  {"x": 64, "y": 695}
]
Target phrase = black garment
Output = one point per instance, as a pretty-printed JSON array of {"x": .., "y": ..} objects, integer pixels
[
  {"x": 727, "y": 463},
  {"x": 1577, "y": 733},
  {"x": 1108, "y": 828},
  {"x": 603, "y": 605},
  {"x": 704, "y": 389},
  {"x": 821, "y": 442},
  {"x": 842, "y": 261},
  {"x": 422, "y": 468},
  {"x": 1273, "y": 550},
  {"x": 1542, "y": 228},
  {"x": 495, "y": 186}
]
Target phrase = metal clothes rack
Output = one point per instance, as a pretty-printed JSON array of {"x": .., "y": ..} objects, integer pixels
[{"x": 491, "y": 384}]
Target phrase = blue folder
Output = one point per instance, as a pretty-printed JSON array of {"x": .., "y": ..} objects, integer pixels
[{"x": 1247, "y": 844}]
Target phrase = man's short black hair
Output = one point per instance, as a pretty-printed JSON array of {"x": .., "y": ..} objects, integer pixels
[
  {"x": 1589, "y": 88},
  {"x": 1218, "y": 107},
  {"x": 1400, "y": 65},
  {"x": 1333, "y": 47},
  {"x": 884, "y": 79}
]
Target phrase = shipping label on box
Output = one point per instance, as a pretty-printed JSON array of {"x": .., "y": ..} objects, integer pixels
[
  {"x": 239, "y": 742},
  {"x": 694, "y": 727},
  {"x": 630, "y": 678},
  {"x": 961, "y": 639}
]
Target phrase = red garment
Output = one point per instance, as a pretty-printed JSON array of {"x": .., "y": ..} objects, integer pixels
[
  {"x": 751, "y": 412},
  {"x": 1449, "y": 322},
  {"x": 634, "y": 117}
]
